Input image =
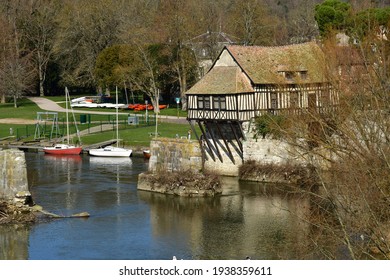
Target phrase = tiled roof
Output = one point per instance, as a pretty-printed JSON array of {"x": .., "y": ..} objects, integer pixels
[
  {"x": 222, "y": 80},
  {"x": 264, "y": 64}
]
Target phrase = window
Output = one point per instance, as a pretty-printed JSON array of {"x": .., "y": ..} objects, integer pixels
[
  {"x": 294, "y": 99},
  {"x": 274, "y": 100},
  {"x": 303, "y": 75},
  {"x": 200, "y": 102},
  {"x": 289, "y": 75},
  {"x": 219, "y": 102},
  {"x": 207, "y": 102}
]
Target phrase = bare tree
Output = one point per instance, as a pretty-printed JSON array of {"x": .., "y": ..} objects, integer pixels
[
  {"x": 17, "y": 76},
  {"x": 16, "y": 73},
  {"x": 39, "y": 29},
  {"x": 85, "y": 29},
  {"x": 253, "y": 24},
  {"x": 347, "y": 151}
]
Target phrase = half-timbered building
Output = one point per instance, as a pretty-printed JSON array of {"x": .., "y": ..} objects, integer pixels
[{"x": 248, "y": 81}]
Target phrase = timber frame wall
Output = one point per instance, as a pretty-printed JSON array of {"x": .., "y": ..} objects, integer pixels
[{"x": 220, "y": 116}]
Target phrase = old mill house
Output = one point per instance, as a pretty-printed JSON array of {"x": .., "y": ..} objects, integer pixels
[{"x": 248, "y": 81}]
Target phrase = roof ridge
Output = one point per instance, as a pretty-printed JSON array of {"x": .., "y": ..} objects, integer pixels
[{"x": 274, "y": 47}]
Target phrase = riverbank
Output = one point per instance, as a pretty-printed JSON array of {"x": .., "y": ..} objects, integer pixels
[
  {"x": 184, "y": 183},
  {"x": 16, "y": 213}
]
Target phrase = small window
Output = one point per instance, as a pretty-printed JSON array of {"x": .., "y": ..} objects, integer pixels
[
  {"x": 294, "y": 99},
  {"x": 207, "y": 102},
  {"x": 219, "y": 102},
  {"x": 289, "y": 75},
  {"x": 223, "y": 102},
  {"x": 200, "y": 102},
  {"x": 303, "y": 75},
  {"x": 274, "y": 100},
  {"x": 216, "y": 102}
]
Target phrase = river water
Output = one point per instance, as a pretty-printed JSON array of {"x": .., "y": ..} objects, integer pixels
[{"x": 249, "y": 219}]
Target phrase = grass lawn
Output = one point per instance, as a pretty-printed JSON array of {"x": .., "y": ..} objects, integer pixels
[
  {"x": 26, "y": 110},
  {"x": 131, "y": 135},
  {"x": 139, "y": 136}
]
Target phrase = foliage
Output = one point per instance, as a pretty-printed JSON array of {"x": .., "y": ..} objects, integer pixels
[
  {"x": 332, "y": 14},
  {"x": 288, "y": 172},
  {"x": 268, "y": 125},
  {"x": 370, "y": 20}
]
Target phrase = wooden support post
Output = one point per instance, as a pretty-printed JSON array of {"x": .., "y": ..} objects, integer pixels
[
  {"x": 210, "y": 151},
  {"x": 226, "y": 143},
  {"x": 215, "y": 142},
  {"x": 236, "y": 137}
]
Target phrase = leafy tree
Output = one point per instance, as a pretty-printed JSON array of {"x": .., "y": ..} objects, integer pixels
[
  {"x": 269, "y": 125},
  {"x": 106, "y": 64},
  {"x": 367, "y": 21},
  {"x": 332, "y": 14}
]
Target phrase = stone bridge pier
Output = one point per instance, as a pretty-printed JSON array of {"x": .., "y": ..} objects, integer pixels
[{"x": 13, "y": 177}]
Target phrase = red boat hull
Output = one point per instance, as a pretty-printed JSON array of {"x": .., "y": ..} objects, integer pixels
[
  {"x": 146, "y": 154},
  {"x": 63, "y": 151}
]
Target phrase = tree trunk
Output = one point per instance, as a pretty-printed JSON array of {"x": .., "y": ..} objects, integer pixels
[{"x": 41, "y": 81}]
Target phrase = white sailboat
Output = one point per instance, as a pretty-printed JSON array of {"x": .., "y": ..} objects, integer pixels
[
  {"x": 112, "y": 151},
  {"x": 65, "y": 148}
]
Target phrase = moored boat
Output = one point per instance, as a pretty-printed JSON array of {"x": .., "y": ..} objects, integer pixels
[
  {"x": 63, "y": 149},
  {"x": 146, "y": 154},
  {"x": 110, "y": 151}
]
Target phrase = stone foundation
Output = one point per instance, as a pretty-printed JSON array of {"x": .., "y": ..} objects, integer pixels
[
  {"x": 195, "y": 188},
  {"x": 175, "y": 155},
  {"x": 13, "y": 177}
]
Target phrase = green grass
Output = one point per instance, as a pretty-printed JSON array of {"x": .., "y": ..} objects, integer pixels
[
  {"x": 139, "y": 136},
  {"x": 131, "y": 135},
  {"x": 26, "y": 110}
]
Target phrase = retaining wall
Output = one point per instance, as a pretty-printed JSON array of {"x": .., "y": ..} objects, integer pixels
[{"x": 13, "y": 175}]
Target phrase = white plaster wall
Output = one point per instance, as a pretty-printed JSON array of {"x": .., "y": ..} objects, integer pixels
[{"x": 225, "y": 60}]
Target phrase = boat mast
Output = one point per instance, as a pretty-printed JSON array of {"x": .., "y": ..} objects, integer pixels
[
  {"x": 116, "y": 111},
  {"x": 67, "y": 118}
]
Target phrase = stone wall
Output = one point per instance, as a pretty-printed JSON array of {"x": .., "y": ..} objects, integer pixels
[
  {"x": 175, "y": 155},
  {"x": 264, "y": 151},
  {"x": 226, "y": 168},
  {"x": 13, "y": 175}
]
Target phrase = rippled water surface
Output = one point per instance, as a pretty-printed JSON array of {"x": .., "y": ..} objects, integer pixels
[{"x": 130, "y": 224}]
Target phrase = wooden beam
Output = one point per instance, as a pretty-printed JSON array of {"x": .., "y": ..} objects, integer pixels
[
  {"x": 236, "y": 136},
  {"x": 210, "y": 151},
  {"x": 229, "y": 152},
  {"x": 214, "y": 140},
  {"x": 193, "y": 130}
]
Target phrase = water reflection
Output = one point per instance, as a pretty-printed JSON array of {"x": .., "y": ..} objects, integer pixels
[
  {"x": 253, "y": 220},
  {"x": 232, "y": 226},
  {"x": 14, "y": 242}
]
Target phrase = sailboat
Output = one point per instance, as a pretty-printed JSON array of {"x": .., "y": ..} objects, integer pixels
[
  {"x": 62, "y": 148},
  {"x": 112, "y": 151}
]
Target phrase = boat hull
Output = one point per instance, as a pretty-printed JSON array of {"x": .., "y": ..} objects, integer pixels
[
  {"x": 63, "y": 150},
  {"x": 110, "y": 152},
  {"x": 146, "y": 154}
]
